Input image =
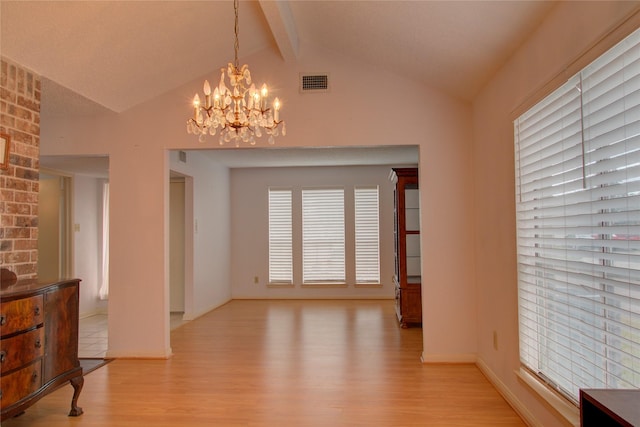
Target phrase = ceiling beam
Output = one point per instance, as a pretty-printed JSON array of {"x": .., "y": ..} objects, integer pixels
[{"x": 280, "y": 20}]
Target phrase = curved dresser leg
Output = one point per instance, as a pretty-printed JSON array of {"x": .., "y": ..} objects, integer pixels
[{"x": 77, "y": 383}]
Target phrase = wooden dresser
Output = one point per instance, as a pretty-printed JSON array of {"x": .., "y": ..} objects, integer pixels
[{"x": 38, "y": 342}]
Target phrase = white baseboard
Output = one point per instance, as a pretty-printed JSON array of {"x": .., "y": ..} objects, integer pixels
[
  {"x": 511, "y": 398},
  {"x": 195, "y": 314},
  {"x": 139, "y": 354},
  {"x": 448, "y": 358}
]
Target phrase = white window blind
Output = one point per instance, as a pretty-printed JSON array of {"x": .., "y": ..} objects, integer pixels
[
  {"x": 367, "y": 234},
  {"x": 280, "y": 238},
  {"x": 578, "y": 227},
  {"x": 323, "y": 236}
]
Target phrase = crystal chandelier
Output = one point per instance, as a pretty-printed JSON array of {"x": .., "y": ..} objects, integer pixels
[{"x": 242, "y": 112}]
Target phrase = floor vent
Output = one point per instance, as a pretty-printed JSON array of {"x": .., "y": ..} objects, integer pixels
[{"x": 314, "y": 82}]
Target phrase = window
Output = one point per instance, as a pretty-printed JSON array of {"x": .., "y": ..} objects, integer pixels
[
  {"x": 323, "y": 236},
  {"x": 280, "y": 239},
  {"x": 578, "y": 227},
  {"x": 367, "y": 231}
]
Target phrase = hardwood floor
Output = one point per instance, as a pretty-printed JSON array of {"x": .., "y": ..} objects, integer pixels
[{"x": 283, "y": 363}]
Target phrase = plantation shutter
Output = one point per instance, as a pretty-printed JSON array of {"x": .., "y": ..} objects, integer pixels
[
  {"x": 280, "y": 237},
  {"x": 578, "y": 227},
  {"x": 367, "y": 235},
  {"x": 323, "y": 236}
]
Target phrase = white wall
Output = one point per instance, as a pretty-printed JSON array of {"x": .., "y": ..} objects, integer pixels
[
  {"x": 137, "y": 142},
  {"x": 569, "y": 31},
  {"x": 87, "y": 241},
  {"x": 208, "y": 217},
  {"x": 250, "y": 229}
]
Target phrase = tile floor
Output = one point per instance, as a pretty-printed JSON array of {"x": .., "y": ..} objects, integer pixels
[{"x": 93, "y": 334}]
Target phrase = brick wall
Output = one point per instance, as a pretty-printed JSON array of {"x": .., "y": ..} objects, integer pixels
[{"x": 20, "y": 119}]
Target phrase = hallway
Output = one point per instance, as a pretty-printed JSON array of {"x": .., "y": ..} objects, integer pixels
[{"x": 284, "y": 363}]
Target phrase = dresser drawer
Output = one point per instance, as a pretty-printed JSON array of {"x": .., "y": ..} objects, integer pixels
[
  {"x": 20, "y": 314},
  {"x": 21, "y": 349},
  {"x": 19, "y": 384}
]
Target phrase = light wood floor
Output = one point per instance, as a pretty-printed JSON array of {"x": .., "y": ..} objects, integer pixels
[{"x": 283, "y": 363}]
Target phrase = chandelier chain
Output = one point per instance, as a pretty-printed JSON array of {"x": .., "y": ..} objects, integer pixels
[{"x": 236, "y": 29}]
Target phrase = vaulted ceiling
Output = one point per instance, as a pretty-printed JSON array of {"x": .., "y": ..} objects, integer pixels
[
  {"x": 97, "y": 56},
  {"x": 120, "y": 53}
]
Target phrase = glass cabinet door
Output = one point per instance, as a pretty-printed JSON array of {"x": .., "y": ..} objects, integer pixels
[{"x": 412, "y": 229}]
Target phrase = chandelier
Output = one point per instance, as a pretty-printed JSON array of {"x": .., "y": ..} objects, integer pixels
[{"x": 241, "y": 112}]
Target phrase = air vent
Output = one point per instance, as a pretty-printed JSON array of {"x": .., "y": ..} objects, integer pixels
[
  {"x": 182, "y": 155},
  {"x": 314, "y": 83}
]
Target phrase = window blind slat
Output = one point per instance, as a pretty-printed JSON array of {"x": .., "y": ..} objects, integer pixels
[{"x": 578, "y": 227}]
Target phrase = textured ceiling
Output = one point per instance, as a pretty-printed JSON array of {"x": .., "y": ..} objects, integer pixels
[
  {"x": 121, "y": 53},
  {"x": 97, "y": 56}
]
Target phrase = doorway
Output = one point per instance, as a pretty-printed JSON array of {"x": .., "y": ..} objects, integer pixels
[
  {"x": 176, "y": 244},
  {"x": 54, "y": 226}
]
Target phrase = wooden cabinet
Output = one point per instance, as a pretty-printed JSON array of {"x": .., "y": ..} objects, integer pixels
[
  {"x": 407, "y": 276},
  {"x": 38, "y": 342},
  {"x": 609, "y": 408}
]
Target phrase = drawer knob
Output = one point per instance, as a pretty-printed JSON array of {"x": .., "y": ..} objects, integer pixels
[
  {"x": 3, "y": 320},
  {"x": 37, "y": 310},
  {"x": 34, "y": 377},
  {"x": 38, "y": 344},
  {"x": 3, "y": 356}
]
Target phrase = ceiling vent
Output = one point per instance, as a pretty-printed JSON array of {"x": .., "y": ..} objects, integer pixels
[{"x": 312, "y": 83}]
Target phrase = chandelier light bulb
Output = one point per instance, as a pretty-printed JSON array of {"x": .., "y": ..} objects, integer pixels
[{"x": 276, "y": 109}]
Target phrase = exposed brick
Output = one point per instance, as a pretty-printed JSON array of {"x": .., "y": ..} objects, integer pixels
[
  {"x": 11, "y": 77},
  {"x": 6, "y": 221},
  {"x": 29, "y": 174},
  {"x": 17, "y": 184},
  {"x": 23, "y": 245},
  {"x": 3, "y": 73},
  {"x": 8, "y": 120},
  {"x": 8, "y": 96},
  {"x": 29, "y": 84},
  {"x": 18, "y": 257},
  {"x": 17, "y": 209},
  {"x": 19, "y": 112},
  {"x": 25, "y": 221},
  {"x": 6, "y": 195},
  {"x": 23, "y": 161},
  {"x": 20, "y": 92},
  {"x": 21, "y": 137},
  {"x": 26, "y": 197},
  {"x": 31, "y": 104},
  {"x": 20, "y": 80},
  {"x": 27, "y": 271},
  {"x": 17, "y": 233}
]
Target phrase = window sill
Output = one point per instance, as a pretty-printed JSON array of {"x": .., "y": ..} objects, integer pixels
[
  {"x": 280, "y": 285},
  {"x": 559, "y": 404},
  {"x": 324, "y": 285},
  {"x": 368, "y": 285}
]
